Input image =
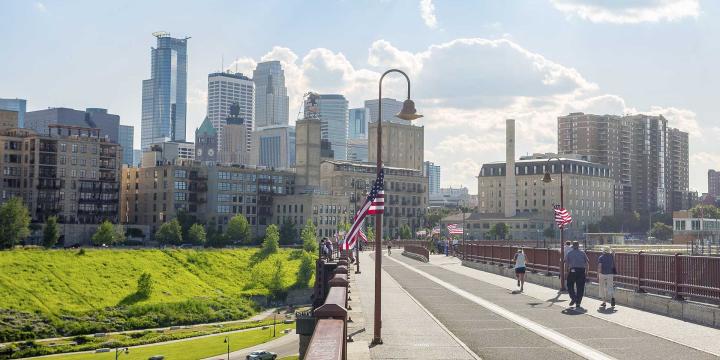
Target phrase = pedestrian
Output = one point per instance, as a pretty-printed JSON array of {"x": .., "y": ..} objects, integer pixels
[
  {"x": 389, "y": 245},
  {"x": 577, "y": 263},
  {"x": 323, "y": 249},
  {"x": 606, "y": 270},
  {"x": 519, "y": 259},
  {"x": 567, "y": 247}
]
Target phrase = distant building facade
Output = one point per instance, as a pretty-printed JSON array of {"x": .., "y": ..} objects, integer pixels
[
  {"x": 451, "y": 198},
  {"x": 226, "y": 90},
  {"x": 234, "y": 149},
  {"x": 164, "y": 95},
  {"x": 272, "y": 104},
  {"x": 274, "y": 147},
  {"x": 206, "y": 143},
  {"x": 403, "y": 145},
  {"x": 126, "y": 137},
  {"x": 714, "y": 183},
  {"x": 390, "y": 108},
  {"x": 17, "y": 105},
  {"x": 333, "y": 112},
  {"x": 358, "y": 119},
  {"x": 40, "y": 120},
  {"x": 432, "y": 171}
]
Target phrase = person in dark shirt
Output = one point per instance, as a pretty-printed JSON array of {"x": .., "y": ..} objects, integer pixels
[
  {"x": 606, "y": 270},
  {"x": 577, "y": 263}
]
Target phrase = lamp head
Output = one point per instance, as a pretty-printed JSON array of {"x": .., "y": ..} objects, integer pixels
[
  {"x": 408, "y": 111},
  {"x": 546, "y": 178}
]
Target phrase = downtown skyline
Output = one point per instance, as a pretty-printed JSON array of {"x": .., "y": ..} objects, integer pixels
[{"x": 474, "y": 66}]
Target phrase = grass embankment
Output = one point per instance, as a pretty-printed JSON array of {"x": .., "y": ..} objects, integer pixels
[
  {"x": 67, "y": 292},
  {"x": 190, "y": 349}
]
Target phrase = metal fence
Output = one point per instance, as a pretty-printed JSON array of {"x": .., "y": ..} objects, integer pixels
[{"x": 680, "y": 276}]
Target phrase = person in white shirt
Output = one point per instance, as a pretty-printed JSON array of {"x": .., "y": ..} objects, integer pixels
[{"x": 519, "y": 259}]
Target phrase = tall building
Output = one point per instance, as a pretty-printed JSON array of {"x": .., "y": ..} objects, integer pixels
[
  {"x": 432, "y": 171},
  {"x": 96, "y": 118},
  {"x": 126, "y": 136},
  {"x": 137, "y": 157},
  {"x": 74, "y": 175},
  {"x": 648, "y": 160},
  {"x": 333, "y": 112},
  {"x": 358, "y": 123},
  {"x": 206, "y": 143},
  {"x": 271, "y": 99},
  {"x": 274, "y": 147},
  {"x": 224, "y": 91},
  {"x": 390, "y": 108},
  {"x": 18, "y": 105},
  {"x": 8, "y": 119},
  {"x": 714, "y": 183},
  {"x": 357, "y": 150},
  {"x": 168, "y": 152},
  {"x": 164, "y": 95},
  {"x": 234, "y": 149},
  {"x": 402, "y": 145}
]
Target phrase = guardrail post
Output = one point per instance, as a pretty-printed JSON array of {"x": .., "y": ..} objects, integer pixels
[
  {"x": 678, "y": 278},
  {"x": 492, "y": 254},
  {"x": 640, "y": 271}
]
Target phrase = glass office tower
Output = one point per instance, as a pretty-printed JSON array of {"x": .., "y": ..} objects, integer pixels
[
  {"x": 333, "y": 111},
  {"x": 164, "y": 95}
]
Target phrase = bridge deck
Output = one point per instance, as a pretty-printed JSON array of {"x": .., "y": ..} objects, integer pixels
[{"x": 441, "y": 310}]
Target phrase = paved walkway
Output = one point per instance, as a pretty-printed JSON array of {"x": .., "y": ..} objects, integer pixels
[{"x": 442, "y": 310}]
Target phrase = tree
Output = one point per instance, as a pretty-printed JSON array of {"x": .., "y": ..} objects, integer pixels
[
  {"x": 705, "y": 211},
  {"x": 144, "y": 286},
  {"x": 661, "y": 231},
  {"x": 405, "y": 232},
  {"x": 499, "y": 230},
  {"x": 106, "y": 234},
  {"x": 288, "y": 233},
  {"x": 14, "y": 222},
  {"x": 118, "y": 234},
  {"x": 310, "y": 242},
  {"x": 370, "y": 233},
  {"x": 51, "y": 233},
  {"x": 238, "y": 230},
  {"x": 276, "y": 283},
  {"x": 197, "y": 235},
  {"x": 306, "y": 270},
  {"x": 186, "y": 221},
  {"x": 549, "y": 233},
  {"x": 272, "y": 238},
  {"x": 169, "y": 233}
]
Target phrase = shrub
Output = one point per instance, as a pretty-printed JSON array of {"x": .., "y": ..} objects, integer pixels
[
  {"x": 144, "y": 286},
  {"x": 305, "y": 273},
  {"x": 271, "y": 242}
]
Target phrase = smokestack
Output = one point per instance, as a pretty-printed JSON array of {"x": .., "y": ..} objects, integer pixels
[{"x": 510, "y": 186}]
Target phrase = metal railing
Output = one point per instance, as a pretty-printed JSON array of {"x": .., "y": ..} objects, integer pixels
[
  {"x": 680, "y": 276},
  {"x": 329, "y": 336},
  {"x": 418, "y": 250}
]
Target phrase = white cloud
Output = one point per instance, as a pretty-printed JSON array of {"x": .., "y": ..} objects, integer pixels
[
  {"x": 40, "y": 7},
  {"x": 630, "y": 11},
  {"x": 427, "y": 11},
  {"x": 683, "y": 119}
]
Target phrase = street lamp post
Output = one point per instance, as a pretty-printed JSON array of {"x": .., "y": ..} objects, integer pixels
[
  {"x": 548, "y": 179},
  {"x": 463, "y": 236},
  {"x": 409, "y": 113},
  {"x": 227, "y": 341},
  {"x": 119, "y": 351}
]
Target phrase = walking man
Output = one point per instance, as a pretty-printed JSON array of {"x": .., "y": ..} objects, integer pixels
[
  {"x": 606, "y": 270},
  {"x": 389, "y": 245},
  {"x": 577, "y": 263}
]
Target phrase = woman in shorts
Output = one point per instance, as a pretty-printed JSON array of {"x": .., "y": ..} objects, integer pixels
[{"x": 519, "y": 259}]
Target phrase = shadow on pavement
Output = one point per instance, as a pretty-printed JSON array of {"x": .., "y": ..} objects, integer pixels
[
  {"x": 574, "y": 311},
  {"x": 610, "y": 310}
]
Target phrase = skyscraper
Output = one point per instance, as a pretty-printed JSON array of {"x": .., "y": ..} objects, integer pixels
[
  {"x": 648, "y": 159},
  {"x": 125, "y": 139},
  {"x": 402, "y": 145},
  {"x": 164, "y": 95},
  {"x": 358, "y": 123},
  {"x": 234, "y": 149},
  {"x": 333, "y": 110},
  {"x": 432, "y": 171},
  {"x": 271, "y": 99},
  {"x": 18, "y": 105},
  {"x": 390, "y": 108},
  {"x": 224, "y": 90},
  {"x": 714, "y": 182},
  {"x": 274, "y": 146}
]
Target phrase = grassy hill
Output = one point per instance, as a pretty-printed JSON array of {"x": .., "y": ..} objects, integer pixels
[{"x": 68, "y": 292}]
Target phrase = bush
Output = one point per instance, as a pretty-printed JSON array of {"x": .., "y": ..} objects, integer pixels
[
  {"x": 272, "y": 239},
  {"x": 305, "y": 273},
  {"x": 144, "y": 286}
]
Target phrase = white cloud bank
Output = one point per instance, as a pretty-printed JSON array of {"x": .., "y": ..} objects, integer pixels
[
  {"x": 629, "y": 11},
  {"x": 466, "y": 88}
]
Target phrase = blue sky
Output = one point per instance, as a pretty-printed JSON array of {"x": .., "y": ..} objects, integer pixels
[{"x": 473, "y": 63}]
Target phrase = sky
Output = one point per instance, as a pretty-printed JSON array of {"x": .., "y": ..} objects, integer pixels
[{"x": 472, "y": 63}]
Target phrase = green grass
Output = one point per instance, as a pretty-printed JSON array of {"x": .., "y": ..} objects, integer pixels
[
  {"x": 60, "y": 293},
  {"x": 294, "y": 357},
  {"x": 189, "y": 349}
]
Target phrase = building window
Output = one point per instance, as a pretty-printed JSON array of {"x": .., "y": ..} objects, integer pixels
[{"x": 180, "y": 185}]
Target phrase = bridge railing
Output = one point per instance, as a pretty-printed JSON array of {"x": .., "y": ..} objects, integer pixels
[
  {"x": 420, "y": 252},
  {"x": 680, "y": 276},
  {"x": 329, "y": 336}
]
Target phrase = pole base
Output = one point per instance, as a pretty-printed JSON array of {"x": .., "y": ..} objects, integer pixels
[
  {"x": 358, "y": 272},
  {"x": 376, "y": 341}
]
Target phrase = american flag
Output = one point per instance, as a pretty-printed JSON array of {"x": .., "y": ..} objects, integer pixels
[
  {"x": 374, "y": 205},
  {"x": 436, "y": 230},
  {"x": 453, "y": 229},
  {"x": 562, "y": 217}
]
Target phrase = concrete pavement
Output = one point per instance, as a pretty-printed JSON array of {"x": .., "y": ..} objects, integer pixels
[
  {"x": 284, "y": 346},
  {"x": 442, "y": 310}
]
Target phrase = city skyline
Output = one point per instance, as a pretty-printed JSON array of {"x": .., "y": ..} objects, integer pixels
[{"x": 464, "y": 114}]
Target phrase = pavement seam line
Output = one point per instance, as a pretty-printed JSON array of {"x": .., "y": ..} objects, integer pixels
[
  {"x": 549, "y": 334},
  {"x": 442, "y": 326},
  {"x": 610, "y": 320}
]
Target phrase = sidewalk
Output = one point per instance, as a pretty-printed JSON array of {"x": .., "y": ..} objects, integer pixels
[
  {"x": 408, "y": 332},
  {"x": 692, "y": 335}
]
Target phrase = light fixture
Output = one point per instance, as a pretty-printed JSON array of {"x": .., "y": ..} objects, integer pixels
[
  {"x": 408, "y": 111},
  {"x": 546, "y": 178}
]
